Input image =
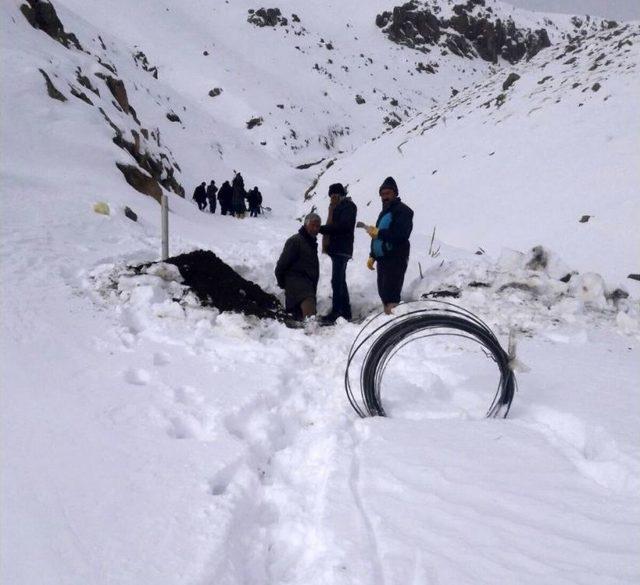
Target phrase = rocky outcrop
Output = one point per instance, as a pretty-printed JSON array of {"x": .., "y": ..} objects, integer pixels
[
  {"x": 42, "y": 15},
  {"x": 510, "y": 80},
  {"x": 118, "y": 91},
  {"x": 267, "y": 17},
  {"x": 257, "y": 121},
  {"x": 85, "y": 82},
  {"x": 141, "y": 61},
  {"x": 173, "y": 117},
  {"x": 140, "y": 181},
  {"x": 471, "y": 31},
  {"x": 154, "y": 164},
  {"x": 80, "y": 95},
  {"x": 52, "y": 90},
  {"x": 159, "y": 166}
]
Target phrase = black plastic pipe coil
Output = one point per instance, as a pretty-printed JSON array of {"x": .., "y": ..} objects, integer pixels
[{"x": 385, "y": 337}]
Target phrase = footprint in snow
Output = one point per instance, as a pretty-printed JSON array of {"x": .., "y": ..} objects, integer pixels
[
  {"x": 161, "y": 358},
  {"x": 137, "y": 376}
]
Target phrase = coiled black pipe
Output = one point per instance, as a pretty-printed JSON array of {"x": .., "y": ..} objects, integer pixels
[{"x": 385, "y": 337}]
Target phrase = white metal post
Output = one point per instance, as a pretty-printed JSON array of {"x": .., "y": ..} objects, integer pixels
[{"x": 164, "y": 206}]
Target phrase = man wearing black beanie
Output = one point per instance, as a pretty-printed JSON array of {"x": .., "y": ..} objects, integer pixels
[
  {"x": 390, "y": 244},
  {"x": 338, "y": 243}
]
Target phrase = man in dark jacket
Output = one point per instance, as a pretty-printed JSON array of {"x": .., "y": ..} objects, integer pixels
[
  {"x": 258, "y": 201},
  {"x": 211, "y": 196},
  {"x": 225, "y": 194},
  {"x": 239, "y": 195},
  {"x": 338, "y": 244},
  {"x": 390, "y": 244},
  {"x": 200, "y": 196},
  {"x": 298, "y": 269},
  {"x": 252, "y": 199}
]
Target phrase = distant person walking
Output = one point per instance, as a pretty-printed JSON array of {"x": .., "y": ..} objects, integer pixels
[
  {"x": 252, "y": 199},
  {"x": 390, "y": 244},
  {"x": 338, "y": 244},
  {"x": 258, "y": 201},
  {"x": 239, "y": 195},
  {"x": 298, "y": 269},
  {"x": 225, "y": 195},
  {"x": 200, "y": 196},
  {"x": 211, "y": 196}
]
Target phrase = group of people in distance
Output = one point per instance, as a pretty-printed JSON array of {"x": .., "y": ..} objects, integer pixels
[
  {"x": 298, "y": 268},
  {"x": 233, "y": 198}
]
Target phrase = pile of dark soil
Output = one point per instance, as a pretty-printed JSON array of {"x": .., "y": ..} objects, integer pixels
[{"x": 218, "y": 285}]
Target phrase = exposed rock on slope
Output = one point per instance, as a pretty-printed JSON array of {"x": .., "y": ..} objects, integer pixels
[
  {"x": 42, "y": 15},
  {"x": 267, "y": 17},
  {"x": 155, "y": 161},
  {"x": 471, "y": 31}
]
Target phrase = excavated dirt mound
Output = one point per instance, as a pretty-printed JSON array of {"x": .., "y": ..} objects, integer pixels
[{"x": 218, "y": 285}]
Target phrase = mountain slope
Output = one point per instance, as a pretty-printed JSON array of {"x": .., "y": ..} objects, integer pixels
[
  {"x": 530, "y": 160},
  {"x": 147, "y": 438}
]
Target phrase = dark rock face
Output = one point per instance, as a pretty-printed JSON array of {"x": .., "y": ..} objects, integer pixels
[
  {"x": 80, "y": 95},
  {"x": 215, "y": 92},
  {"x": 511, "y": 79},
  {"x": 140, "y": 181},
  {"x": 173, "y": 117},
  {"x": 42, "y": 15},
  {"x": 85, "y": 82},
  {"x": 152, "y": 170},
  {"x": 267, "y": 17},
  {"x": 119, "y": 92},
  {"x": 471, "y": 31},
  {"x": 51, "y": 89},
  {"x": 254, "y": 122},
  {"x": 161, "y": 169},
  {"x": 141, "y": 60},
  {"x": 218, "y": 285},
  {"x": 427, "y": 68},
  {"x": 132, "y": 215}
]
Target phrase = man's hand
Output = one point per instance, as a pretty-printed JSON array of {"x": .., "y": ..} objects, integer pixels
[
  {"x": 371, "y": 263},
  {"x": 372, "y": 230}
]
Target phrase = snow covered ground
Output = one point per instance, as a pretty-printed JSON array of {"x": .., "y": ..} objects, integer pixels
[{"x": 146, "y": 440}]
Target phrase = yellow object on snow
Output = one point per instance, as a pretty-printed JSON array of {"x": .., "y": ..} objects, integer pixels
[{"x": 102, "y": 208}]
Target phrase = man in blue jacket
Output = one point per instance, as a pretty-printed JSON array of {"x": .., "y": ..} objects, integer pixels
[
  {"x": 390, "y": 244},
  {"x": 338, "y": 243}
]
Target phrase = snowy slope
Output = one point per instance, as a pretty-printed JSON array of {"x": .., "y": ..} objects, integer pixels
[
  {"x": 146, "y": 440},
  {"x": 464, "y": 166}
]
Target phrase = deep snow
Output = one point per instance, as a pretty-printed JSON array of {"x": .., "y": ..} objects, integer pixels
[{"x": 147, "y": 440}]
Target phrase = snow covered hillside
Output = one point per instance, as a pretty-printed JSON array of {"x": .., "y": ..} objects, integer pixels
[
  {"x": 571, "y": 184},
  {"x": 147, "y": 438}
]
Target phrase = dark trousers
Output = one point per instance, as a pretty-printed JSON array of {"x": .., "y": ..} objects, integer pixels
[
  {"x": 341, "y": 305},
  {"x": 391, "y": 278}
]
